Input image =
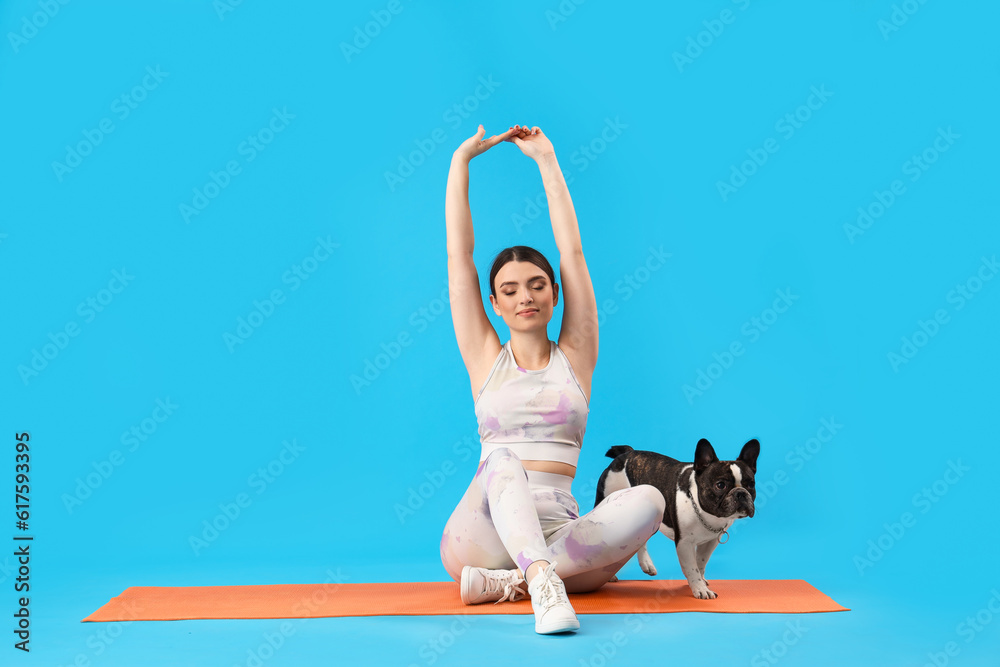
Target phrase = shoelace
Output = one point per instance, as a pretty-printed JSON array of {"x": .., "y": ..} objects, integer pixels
[
  {"x": 505, "y": 584},
  {"x": 551, "y": 593}
]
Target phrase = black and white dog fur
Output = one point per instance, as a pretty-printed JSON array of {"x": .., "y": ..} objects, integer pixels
[{"x": 703, "y": 499}]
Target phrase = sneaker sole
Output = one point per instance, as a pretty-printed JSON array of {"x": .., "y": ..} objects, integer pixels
[{"x": 560, "y": 626}]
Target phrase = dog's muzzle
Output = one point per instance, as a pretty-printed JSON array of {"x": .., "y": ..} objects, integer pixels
[{"x": 744, "y": 502}]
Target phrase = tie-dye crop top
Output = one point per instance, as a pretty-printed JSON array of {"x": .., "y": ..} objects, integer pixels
[{"x": 539, "y": 414}]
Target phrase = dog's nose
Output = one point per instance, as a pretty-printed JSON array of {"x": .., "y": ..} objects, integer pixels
[{"x": 744, "y": 501}]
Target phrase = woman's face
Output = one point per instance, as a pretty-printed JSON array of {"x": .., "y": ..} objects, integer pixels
[{"x": 522, "y": 287}]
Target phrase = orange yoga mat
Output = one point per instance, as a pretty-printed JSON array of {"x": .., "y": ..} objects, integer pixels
[{"x": 163, "y": 603}]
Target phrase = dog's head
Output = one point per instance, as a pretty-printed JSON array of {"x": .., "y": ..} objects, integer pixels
[{"x": 726, "y": 488}]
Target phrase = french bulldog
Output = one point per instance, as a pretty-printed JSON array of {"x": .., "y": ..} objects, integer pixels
[{"x": 703, "y": 499}]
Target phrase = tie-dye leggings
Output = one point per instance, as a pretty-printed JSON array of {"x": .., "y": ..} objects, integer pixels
[{"x": 510, "y": 517}]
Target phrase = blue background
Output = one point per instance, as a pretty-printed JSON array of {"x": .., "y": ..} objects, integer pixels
[{"x": 400, "y": 104}]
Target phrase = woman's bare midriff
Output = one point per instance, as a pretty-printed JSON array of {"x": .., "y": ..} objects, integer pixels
[{"x": 550, "y": 466}]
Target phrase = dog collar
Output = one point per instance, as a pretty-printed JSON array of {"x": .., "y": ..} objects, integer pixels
[{"x": 694, "y": 505}]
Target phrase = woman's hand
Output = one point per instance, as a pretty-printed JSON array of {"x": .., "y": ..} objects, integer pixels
[
  {"x": 532, "y": 142},
  {"x": 475, "y": 144}
]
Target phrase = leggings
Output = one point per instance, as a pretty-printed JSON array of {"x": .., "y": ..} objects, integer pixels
[{"x": 510, "y": 517}]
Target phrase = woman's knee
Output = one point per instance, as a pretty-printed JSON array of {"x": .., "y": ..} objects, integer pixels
[
  {"x": 454, "y": 555},
  {"x": 451, "y": 566},
  {"x": 651, "y": 505}
]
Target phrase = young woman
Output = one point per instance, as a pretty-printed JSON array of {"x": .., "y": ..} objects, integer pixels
[{"x": 518, "y": 521}]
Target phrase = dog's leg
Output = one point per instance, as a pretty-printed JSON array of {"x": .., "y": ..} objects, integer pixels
[
  {"x": 688, "y": 557},
  {"x": 645, "y": 562},
  {"x": 704, "y": 553}
]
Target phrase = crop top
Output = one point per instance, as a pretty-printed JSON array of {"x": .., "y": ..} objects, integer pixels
[{"x": 539, "y": 414}]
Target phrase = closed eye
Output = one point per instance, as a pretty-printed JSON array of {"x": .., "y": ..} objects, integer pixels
[{"x": 537, "y": 289}]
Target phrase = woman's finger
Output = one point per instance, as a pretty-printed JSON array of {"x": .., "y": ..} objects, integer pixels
[{"x": 497, "y": 138}]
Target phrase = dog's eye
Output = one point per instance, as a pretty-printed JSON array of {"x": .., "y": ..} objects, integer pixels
[{"x": 720, "y": 485}]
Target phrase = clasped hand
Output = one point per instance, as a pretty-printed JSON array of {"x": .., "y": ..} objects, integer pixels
[{"x": 532, "y": 142}]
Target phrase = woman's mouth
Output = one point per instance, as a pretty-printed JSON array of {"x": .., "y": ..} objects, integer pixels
[{"x": 528, "y": 313}]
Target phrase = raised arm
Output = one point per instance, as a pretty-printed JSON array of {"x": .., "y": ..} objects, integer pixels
[
  {"x": 579, "y": 324},
  {"x": 473, "y": 330}
]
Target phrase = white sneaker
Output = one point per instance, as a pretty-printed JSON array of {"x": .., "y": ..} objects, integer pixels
[
  {"x": 553, "y": 612},
  {"x": 480, "y": 585}
]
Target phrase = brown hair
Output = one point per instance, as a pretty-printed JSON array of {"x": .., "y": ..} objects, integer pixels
[{"x": 519, "y": 253}]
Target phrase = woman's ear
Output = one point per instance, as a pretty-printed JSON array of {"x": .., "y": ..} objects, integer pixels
[{"x": 555, "y": 294}]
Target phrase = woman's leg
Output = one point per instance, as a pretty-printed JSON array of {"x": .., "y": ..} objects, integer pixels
[
  {"x": 495, "y": 524},
  {"x": 590, "y": 549}
]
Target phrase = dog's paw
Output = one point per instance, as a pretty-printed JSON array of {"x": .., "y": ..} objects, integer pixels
[
  {"x": 703, "y": 592},
  {"x": 646, "y": 563}
]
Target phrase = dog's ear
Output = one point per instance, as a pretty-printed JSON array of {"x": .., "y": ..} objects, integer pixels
[
  {"x": 704, "y": 455},
  {"x": 749, "y": 454}
]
